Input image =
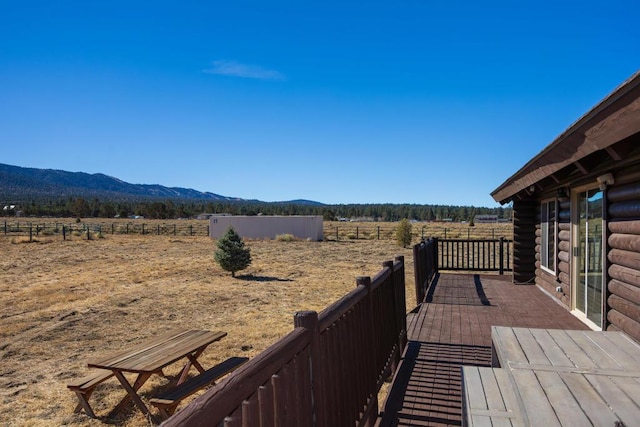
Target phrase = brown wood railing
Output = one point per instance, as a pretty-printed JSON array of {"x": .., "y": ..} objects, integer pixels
[
  {"x": 475, "y": 254},
  {"x": 326, "y": 372},
  {"x": 431, "y": 256},
  {"x": 425, "y": 261}
]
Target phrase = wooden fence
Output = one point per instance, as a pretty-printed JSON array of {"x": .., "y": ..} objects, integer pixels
[{"x": 326, "y": 372}]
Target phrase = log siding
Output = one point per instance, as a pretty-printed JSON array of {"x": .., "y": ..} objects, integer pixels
[{"x": 623, "y": 283}]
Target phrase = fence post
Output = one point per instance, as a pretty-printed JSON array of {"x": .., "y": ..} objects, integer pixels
[
  {"x": 143, "y": 228},
  {"x": 501, "y": 250},
  {"x": 64, "y": 232},
  {"x": 158, "y": 229},
  {"x": 309, "y": 321},
  {"x": 378, "y": 232},
  {"x": 191, "y": 229},
  {"x": 357, "y": 233}
]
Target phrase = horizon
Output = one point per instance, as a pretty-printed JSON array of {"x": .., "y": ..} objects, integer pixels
[{"x": 339, "y": 102}]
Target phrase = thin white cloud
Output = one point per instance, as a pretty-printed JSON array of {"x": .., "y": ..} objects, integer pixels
[{"x": 236, "y": 69}]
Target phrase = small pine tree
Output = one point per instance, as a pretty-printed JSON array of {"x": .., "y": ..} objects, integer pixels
[
  {"x": 403, "y": 233},
  {"x": 231, "y": 254}
]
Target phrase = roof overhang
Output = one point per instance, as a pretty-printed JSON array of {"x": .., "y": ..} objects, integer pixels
[{"x": 616, "y": 117}]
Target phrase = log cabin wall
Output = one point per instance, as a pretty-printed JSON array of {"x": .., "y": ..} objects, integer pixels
[
  {"x": 562, "y": 278},
  {"x": 524, "y": 230},
  {"x": 623, "y": 285}
]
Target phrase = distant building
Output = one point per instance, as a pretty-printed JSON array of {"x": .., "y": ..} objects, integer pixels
[
  {"x": 485, "y": 219},
  {"x": 268, "y": 227},
  {"x": 209, "y": 215}
]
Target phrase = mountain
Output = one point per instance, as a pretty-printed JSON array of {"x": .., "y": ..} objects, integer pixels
[{"x": 23, "y": 184}]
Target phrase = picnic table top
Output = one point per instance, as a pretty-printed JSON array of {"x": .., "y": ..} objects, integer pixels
[
  {"x": 611, "y": 353},
  {"x": 569, "y": 378},
  {"x": 163, "y": 350}
]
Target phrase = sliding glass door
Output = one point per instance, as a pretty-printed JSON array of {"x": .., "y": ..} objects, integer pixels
[{"x": 589, "y": 254}]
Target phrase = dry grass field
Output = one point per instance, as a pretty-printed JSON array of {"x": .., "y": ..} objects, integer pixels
[{"x": 65, "y": 302}]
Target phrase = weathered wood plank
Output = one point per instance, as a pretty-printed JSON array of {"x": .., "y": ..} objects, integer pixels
[
  {"x": 554, "y": 353},
  {"x": 570, "y": 347},
  {"x": 530, "y": 346},
  {"x": 567, "y": 409},
  {"x": 507, "y": 348},
  {"x": 595, "y": 352},
  {"x": 488, "y": 398},
  {"x": 592, "y": 404},
  {"x": 533, "y": 398},
  {"x": 616, "y": 398},
  {"x": 625, "y": 353}
]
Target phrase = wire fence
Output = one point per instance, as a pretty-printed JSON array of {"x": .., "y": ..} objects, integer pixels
[{"x": 333, "y": 231}]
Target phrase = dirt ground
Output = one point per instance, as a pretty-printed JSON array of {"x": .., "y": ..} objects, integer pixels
[{"x": 65, "y": 302}]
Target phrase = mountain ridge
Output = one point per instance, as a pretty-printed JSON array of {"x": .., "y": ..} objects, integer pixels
[{"x": 18, "y": 182}]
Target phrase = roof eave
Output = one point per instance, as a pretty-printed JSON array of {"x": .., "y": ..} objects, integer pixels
[{"x": 615, "y": 117}]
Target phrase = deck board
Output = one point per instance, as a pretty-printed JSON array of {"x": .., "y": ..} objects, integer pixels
[{"x": 453, "y": 330}]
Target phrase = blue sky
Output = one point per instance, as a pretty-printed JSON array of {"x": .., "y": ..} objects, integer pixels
[{"x": 428, "y": 102}]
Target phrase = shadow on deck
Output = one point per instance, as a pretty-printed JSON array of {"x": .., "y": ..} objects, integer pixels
[{"x": 452, "y": 328}]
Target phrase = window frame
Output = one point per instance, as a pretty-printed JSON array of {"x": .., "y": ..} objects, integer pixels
[{"x": 549, "y": 236}]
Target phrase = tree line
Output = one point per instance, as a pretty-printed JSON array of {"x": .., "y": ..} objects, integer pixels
[{"x": 173, "y": 209}]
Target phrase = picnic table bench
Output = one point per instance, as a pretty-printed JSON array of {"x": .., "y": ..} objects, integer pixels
[
  {"x": 557, "y": 377},
  {"x": 145, "y": 359},
  {"x": 84, "y": 387},
  {"x": 168, "y": 401}
]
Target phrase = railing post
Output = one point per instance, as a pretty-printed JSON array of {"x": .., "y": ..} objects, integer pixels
[
  {"x": 436, "y": 267},
  {"x": 418, "y": 268},
  {"x": 401, "y": 306},
  {"x": 366, "y": 282},
  {"x": 309, "y": 321},
  {"x": 501, "y": 251}
]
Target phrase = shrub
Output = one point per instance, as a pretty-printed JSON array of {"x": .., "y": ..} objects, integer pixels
[
  {"x": 403, "y": 233},
  {"x": 285, "y": 237},
  {"x": 231, "y": 254}
]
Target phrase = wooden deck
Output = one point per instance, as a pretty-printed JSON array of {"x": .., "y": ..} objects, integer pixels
[{"x": 452, "y": 328}]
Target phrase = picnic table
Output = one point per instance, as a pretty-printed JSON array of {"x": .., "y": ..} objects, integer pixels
[
  {"x": 152, "y": 356},
  {"x": 555, "y": 378}
]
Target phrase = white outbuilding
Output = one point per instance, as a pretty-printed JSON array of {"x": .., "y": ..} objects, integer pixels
[{"x": 268, "y": 227}]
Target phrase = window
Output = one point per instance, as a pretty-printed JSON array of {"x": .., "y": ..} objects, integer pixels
[{"x": 548, "y": 244}]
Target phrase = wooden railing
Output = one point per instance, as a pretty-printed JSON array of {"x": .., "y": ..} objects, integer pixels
[
  {"x": 433, "y": 255},
  {"x": 425, "y": 261},
  {"x": 326, "y": 372},
  {"x": 475, "y": 255}
]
